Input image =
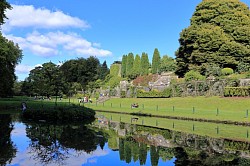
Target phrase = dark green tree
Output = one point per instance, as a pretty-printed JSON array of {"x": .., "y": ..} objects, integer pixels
[
  {"x": 156, "y": 61},
  {"x": 144, "y": 64},
  {"x": 124, "y": 66},
  {"x": 129, "y": 65},
  {"x": 137, "y": 66},
  {"x": 4, "y": 5},
  {"x": 143, "y": 153},
  {"x": 10, "y": 56},
  {"x": 103, "y": 71},
  {"x": 167, "y": 64},
  {"x": 154, "y": 155},
  {"x": 219, "y": 34}
]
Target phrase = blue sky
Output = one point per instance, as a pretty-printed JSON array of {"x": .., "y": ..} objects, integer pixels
[{"x": 56, "y": 31}]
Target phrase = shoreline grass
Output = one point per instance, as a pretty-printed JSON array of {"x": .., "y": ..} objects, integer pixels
[{"x": 210, "y": 108}]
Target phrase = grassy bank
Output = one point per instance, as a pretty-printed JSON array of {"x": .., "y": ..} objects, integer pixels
[
  {"x": 211, "y": 108},
  {"x": 232, "y": 132}
]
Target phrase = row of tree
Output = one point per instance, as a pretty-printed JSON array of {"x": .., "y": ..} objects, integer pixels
[
  {"x": 73, "y": 75},
  {"x": 133, "y": 67}
]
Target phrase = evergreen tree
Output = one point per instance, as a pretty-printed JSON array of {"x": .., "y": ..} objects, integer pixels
[
  {"x": 129, "y": 65},
  {"x": 104, "y": 71},
  {"x": 144, "y": 64},
  {"x": 137, "y": 66},
  {"x": 124, "y": 64},
  {"x": 156, "y": 62},
  {"x": 219, "y": 35}
]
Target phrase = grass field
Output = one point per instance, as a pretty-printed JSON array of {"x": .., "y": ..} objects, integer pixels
[
  {"x": 212, "y": 108},
  {"x": 233, "y": 132}
]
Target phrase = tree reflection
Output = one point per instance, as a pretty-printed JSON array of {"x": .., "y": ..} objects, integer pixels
[
  {"x": 53, "y": 144},
  {"x": 7, "y": 149}
]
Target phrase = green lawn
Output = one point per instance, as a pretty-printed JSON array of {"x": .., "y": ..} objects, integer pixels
[
  {"x": 234, "y": 132},
  {"x": 212, "y": 108}
]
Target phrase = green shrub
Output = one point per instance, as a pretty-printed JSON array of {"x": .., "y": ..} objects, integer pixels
[
  {"x": 227, "y": 71},
  {"x": 154, "y": 93},
  {"x": 193, "y": 75},
  {"x": 236, "y": 91},
  {"x": 123, "y": 94}
]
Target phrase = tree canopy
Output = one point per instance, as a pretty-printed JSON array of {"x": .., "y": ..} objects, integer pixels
[{"x": 219, "y": 34}]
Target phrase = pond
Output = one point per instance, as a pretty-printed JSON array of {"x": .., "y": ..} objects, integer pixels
[{"x": 112, "y": 143}]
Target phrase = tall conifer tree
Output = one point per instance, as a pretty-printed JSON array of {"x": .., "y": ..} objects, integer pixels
[
  {"x": 144, "y": 64},
  {"x": 124, "y": 64},
  {"x": 156, "y": 62}
]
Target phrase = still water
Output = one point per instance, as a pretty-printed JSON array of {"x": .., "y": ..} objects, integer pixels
[{"x": 111, "y": 143}]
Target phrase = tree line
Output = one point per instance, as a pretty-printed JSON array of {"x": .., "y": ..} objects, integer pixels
[{"x": 134, "y": 66}]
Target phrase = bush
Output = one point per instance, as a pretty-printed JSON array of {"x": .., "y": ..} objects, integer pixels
[
  {"x": 227, "y": 71},
  {"x": 154, "y": 93},
  {"x": 123, "y": 94},
  {"x": 72, "y": 113},
  {"x": 236, "y": 91},
  {"x": 193, "y": 75}
]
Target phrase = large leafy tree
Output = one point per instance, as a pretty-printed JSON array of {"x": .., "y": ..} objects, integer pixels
[
  {"x": 10, "y": 56},
  {"x": 167, "y": 64},
  {"x": 144, "y": 64},
  {"x": 156, "y": 62},
  {"x": 219, "y": 34}
]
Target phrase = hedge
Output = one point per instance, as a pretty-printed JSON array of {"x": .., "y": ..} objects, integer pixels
[
  {"x": 154, "y": 94},
  {"x": 237, "y": 91}
]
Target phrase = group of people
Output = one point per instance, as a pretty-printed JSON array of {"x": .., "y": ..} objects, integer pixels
[{"x": 85, "y": 100}]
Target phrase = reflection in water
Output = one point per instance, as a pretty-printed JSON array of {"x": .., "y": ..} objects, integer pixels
[
  {"x": 7, "y": 149},
  {"x": 187, "y": 149},
  {"x": 54, "y": 144}
]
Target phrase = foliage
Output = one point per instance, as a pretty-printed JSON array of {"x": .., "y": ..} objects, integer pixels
[
  {"x": 45, "y": 80},
  {"x": 124, "y": 68},
  {"x": 137, "y": 66},
  {"x": 227, "y": 71},
  {"x": 4, "y": 5},
  {"x": 144, "y": 80},
  {"x": 167, "y": 64},
  {"x": 243, "y": 67},
  {"x": 103, "y": 71},
  {"x": 115, "y": 69},
  {"x": 212, "y": 70},
  {"x": 156, "y": 62},
  {"x": 237, "y": 91},
  {"x": 112, "y": 81},
  {"x": 61, "y": 114},
  {"x": 144, "y": 64},
  {"x": 10, "y": 56},
  {"x": 193, "y": 75},
  {"x": 218, "y": 34},
  {"x": 83, "y": 71},
  {"x": 154, "y": 93},
  {"x": 129, "y": 65}
]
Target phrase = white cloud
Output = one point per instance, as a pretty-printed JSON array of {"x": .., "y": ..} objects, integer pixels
[
  {"x": 47, "y": 45},
  {"x": 29, "y": 16},
  {"x": 23, "y": 69}
]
